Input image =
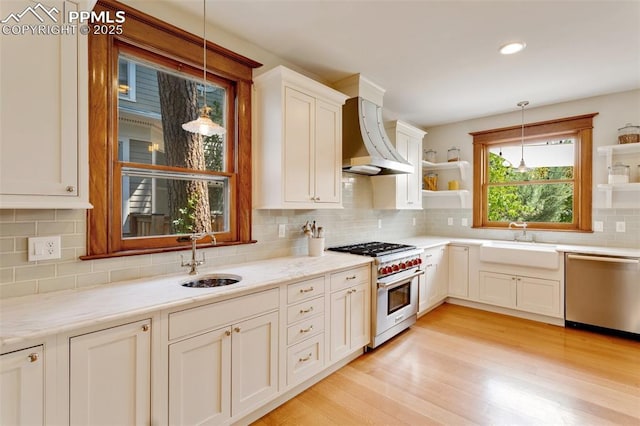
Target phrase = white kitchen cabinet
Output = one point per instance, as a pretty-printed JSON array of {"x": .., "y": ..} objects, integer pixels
[
  {"x": 433, "y": 285},
  {"x": 227, "y": 361},
  {"x": 350, "y": 312},
  {"x": 110, "y": 376},
  {"x": 297, "y": 150},
  {"x": 403, "y": 191},
  {"x": 22, "y": 387},
  {"x": 458, "y": 271},
  {"x": 534, "y": 295},
  {"x": 43, "y": 115}
]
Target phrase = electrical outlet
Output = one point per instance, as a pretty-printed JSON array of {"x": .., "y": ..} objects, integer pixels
[
  {"x": 450, "y": 221},
  {"x": 464, "y": 221},
  {"x": 414, "y": 221},
  {"x": 598, "y": 226},
  {"x": 621, "y": 227},
  {"x": 379, "y": 223},
  {"x": 282, "y": 230},
  {"x": 43, "y": 248}
]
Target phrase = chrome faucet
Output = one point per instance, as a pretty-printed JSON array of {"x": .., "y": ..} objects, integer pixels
[
  {"x": 194, "y": 262},
  {"x": 522, "y": 225}
]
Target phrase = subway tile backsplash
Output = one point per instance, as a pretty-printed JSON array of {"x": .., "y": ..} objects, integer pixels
[{"x": 357, "y": 221}]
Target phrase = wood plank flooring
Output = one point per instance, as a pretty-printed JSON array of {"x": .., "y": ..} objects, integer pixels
[{"x": 460, "y": 366}]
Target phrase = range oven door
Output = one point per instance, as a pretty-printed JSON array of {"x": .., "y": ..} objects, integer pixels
[{"x": 397, "y": 302}]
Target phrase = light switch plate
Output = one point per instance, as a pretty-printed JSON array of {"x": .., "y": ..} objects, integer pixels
[
  {"x": 450, "y": 221},
  {"x": 43, "y": 248},
  {"x": 464, "y": 221},
  {"x": 621, "y": 227},
  {"x": 598, "y": 226},
  {"x": 282, "y": 230}
]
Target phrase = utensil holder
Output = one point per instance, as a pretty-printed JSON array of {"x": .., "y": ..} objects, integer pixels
[{"x": 316, "y": 247}]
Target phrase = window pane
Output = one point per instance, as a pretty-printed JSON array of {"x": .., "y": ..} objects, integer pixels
[
  {"x": 547, "y": 160},
  {"x": 157, "y": 203},
  {"x": 552, "y": 203},
  {"x": 164, "y": 101}
]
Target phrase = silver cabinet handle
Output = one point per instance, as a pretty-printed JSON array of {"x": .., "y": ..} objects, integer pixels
[
  {"x": 306, "y": 290},
  {"x": 33, "y": 357},
  {"x": 306, "y": 311},
  {"x": 306, "y": 358}
]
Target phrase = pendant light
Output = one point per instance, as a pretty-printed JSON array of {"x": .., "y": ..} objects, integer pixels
[
  {"x": 203, "y": 125},
  {"x": 522, "y": 167}
]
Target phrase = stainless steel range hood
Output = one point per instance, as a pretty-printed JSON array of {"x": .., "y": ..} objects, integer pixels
[{"x": 366, "y": 148}]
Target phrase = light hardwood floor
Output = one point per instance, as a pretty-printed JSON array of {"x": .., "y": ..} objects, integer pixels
[{"x": 460, "y": 366}]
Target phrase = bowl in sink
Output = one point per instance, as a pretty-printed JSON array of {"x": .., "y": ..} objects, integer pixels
[
  {"x": 520, "y": 253},
  {"x": 213, "y": 280}
]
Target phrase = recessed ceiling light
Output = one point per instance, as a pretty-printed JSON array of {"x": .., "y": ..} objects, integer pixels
[{"x": 511, "y": 48}]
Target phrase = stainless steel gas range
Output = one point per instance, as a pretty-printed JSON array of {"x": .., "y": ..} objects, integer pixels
[{"x": 394, "y": 296}]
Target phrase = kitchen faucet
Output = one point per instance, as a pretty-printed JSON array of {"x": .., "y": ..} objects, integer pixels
[
  {"x": 194, "y": 238},
  {"x": 522, "y": 225}
]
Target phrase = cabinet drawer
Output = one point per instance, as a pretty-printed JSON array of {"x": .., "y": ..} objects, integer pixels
[
  {"x": 304, "y": 329},
  {"x": 304, "y": 290},
  {"x": 305, "y": 309},
  {"x": 345, "y": 279},
  {"x": 215, "y": 315},
  {"x": 305, "y": 359}
]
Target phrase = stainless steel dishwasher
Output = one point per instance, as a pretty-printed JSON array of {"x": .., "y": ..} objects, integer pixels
[{"x": 602, "y": 291}]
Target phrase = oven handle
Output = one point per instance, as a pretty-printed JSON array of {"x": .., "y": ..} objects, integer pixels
[{"x": 400, "y": 280}]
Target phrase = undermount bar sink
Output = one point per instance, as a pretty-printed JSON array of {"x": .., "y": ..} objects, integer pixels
[
  {"x": 520, "y": 253},
  {"x": 215, "y": 280}
]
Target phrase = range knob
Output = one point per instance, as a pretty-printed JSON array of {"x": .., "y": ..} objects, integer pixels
[
  {"x": 419, "y": 260},
  {"x": 395, "y": 268},
  {"x": 403, "y": 265}
]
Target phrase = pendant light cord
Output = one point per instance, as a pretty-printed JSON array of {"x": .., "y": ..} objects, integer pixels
[{"x": 204, "y": 45}]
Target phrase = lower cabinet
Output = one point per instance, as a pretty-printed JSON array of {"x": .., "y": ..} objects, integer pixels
[
  {"x": 350, "y": 313},
  {"x": 226, "y": 371},
  {"x": 433, "y": 285},
  {"x": 458, "y": 271},
  {"x": 110, "y": 376},
  {"x": 22, "y": 387},
  {"x": 535, "y": 295}
]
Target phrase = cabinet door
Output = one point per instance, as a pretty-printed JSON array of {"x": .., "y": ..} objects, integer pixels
[
  {"x": 299, "y": 125},
  {"x": 441, "y": 278},
  {"x": 414, "y": 180},
  {"x": 26, "y": 92},
  {"x": 340, "y": 324},
  {"x": 200, "y": 379},
  {"x": 254, "y": 358},
  {"x": 359, "y": 327},
  {"x": 328, "y": 153},
  {"x": 22, "y": 387},
  {"x": 539, "y": 296},
  {"x": 110, "y": 376},
  {"x": 497, "y": 289},
  {"x": 459, "y": 271},
  {"x": 402, "y": 180}
]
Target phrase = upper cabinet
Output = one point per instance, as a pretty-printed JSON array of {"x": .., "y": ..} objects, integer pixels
[
  {"x": 43, "y": 116},
  {"x": 402, "y": 191},
  {"x": 297, "y": 144}
]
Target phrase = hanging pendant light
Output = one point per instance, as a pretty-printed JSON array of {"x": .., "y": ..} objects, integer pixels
[
  {"x": 203, "y": 125},
  {"x": 522, "y": 167}
]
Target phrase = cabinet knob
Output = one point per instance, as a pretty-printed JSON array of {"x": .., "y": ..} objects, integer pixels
[
  {"x": 237, "y": 329},
  {"x": 70, "y": 188},
  {"x": 145, "y": 327},
  {"x": 227, "y": 333},
  {"x": 33, "y": 357}
]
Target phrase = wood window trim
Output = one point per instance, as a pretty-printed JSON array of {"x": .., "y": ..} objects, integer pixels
[
  {"x": 579, "y": 127},
  {"x": 149, "y": 34}
]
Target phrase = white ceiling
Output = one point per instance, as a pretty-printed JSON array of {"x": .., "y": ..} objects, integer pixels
[{"x": 439, "y": 60}]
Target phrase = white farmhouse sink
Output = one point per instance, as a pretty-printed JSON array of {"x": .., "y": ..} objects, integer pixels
[{"x": 522, "y": 254}]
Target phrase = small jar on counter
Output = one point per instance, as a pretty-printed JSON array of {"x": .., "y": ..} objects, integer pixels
[{"x": 453, "y": 154}]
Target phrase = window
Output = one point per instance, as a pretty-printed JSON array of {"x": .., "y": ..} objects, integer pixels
[
  {"x": 151, "y": 180},
  {"x": 126, "y": 80},
  {"x": 554, "y": 194}
]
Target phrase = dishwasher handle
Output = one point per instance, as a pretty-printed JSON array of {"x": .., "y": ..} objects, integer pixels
[{"x": 603, "y": 259}]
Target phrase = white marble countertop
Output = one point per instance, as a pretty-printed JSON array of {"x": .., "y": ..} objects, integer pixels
[
  {"x": 36, "y": 316},
  {"x": 434, "y": 241}
]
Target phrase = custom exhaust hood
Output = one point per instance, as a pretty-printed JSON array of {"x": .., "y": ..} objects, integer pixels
[{"x": 366, "y": 148}]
